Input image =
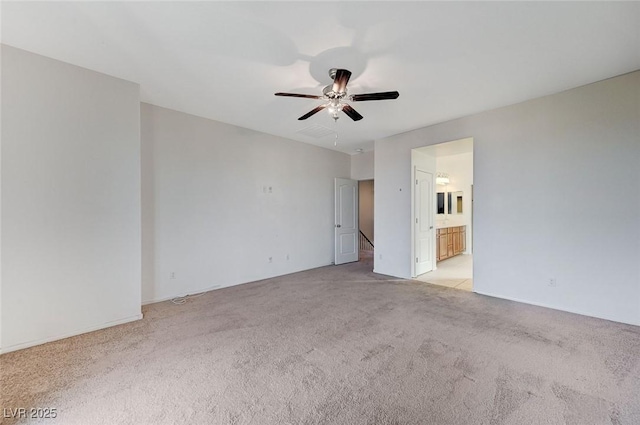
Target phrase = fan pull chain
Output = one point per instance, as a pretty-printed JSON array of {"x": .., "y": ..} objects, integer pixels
[{"x": 335, "y": 142}]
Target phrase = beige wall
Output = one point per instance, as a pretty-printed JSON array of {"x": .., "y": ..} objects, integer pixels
[
  {"x": 549, "y": 176},
  {"x": 70, "y": 200},
  {"x": 224, "y": 205},
  {"x": 362, "y": 166}
]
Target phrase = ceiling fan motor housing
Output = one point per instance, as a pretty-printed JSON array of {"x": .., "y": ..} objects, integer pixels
[{"x": 330, "y": 94}]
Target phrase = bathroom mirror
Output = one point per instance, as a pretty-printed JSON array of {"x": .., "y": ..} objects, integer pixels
[
  {"x": 449, "y": 203},
  {"x": 455, "y": 202},
  {"x": 440, "y": 203}
]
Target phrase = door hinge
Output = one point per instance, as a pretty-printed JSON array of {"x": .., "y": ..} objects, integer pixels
[
  {"x": 416, "y": 220},
  {"x": 416, "y": 181},
  {"x": 416, "y": 259}
]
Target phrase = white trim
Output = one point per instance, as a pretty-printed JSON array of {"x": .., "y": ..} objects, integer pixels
[
  {"x": 199, "y": 291},
  {"x": 159, "y": 300},
  {"x": 572, "y": 311},
  {"x": 413, "y": 216},
  {"x": 70, "y": 334},
  {"x": 215, "y": 287}
]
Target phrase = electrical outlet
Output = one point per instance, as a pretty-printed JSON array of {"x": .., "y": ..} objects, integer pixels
[
  {"x": 552, "y": 282},
  {"x": 172, "y": 275}
]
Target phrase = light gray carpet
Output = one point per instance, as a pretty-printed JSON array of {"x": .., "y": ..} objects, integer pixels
[{"x": 337, "y": 345}]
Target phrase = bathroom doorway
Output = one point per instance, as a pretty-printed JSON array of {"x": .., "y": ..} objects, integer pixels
[{"x": 451, "y": 241}]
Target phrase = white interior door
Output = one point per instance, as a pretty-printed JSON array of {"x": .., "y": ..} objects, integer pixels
[
  {"x": 346, "y": 221},
  {"x": 424, "y": 233}
]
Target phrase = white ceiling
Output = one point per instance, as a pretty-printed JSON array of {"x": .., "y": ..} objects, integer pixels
[{"x": 224, "y": 60}]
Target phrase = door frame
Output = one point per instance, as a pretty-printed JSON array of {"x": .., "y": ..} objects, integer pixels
[{"x": 470, "y": 229}]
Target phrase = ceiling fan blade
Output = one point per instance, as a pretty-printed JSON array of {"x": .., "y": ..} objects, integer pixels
[
  {"x": 306, "y": 96},
  {"x": 341, "y": 80},
  {"x": 312, "y": 112},
  {"x": 353, "y": 114},
  {"x": 375, "y": 96}
]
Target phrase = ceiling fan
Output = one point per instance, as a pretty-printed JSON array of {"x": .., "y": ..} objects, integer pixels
[{"x": 336, "y": 96}]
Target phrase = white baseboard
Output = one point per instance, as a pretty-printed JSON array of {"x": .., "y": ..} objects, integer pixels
[
  {"x": 24, "y": 345},
  {"x": 567, "y": 310},
  {"x": 212, "y": 288},
  {"x": 197, "y": 291}
]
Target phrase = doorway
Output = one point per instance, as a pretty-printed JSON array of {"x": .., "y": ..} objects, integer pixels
[
  {"x": 451, "y": 196},
  {"x": 366, "y": 191},
  {"x": 354, "y": 223}
]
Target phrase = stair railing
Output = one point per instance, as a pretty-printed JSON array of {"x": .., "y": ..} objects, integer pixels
[{"x": 365, "y": 243}]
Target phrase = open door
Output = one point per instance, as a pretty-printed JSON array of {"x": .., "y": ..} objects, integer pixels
[
  {"x": 424, "y": 235},
  {"x": 346, "y": 221}
]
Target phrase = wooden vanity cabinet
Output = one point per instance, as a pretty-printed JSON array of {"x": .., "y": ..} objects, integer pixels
[
  {"x": 441, "y": 245},
  {"x": 456, "y": 240},
  {"x": 450, "y": 241},
  {"x": 450, "y": 238}
]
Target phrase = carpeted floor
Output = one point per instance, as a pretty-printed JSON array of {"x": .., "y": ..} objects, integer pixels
[{"x": 336, "y": 345}]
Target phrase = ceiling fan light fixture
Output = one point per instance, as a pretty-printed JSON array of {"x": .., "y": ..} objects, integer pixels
[{"x": 334, "y": 108}]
